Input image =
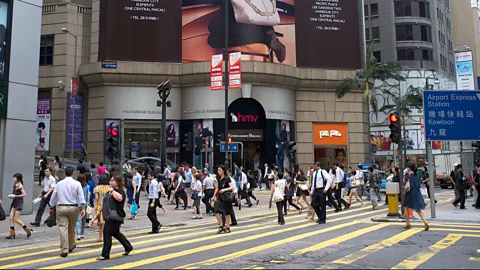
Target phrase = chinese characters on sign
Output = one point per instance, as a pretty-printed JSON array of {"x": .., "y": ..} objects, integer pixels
[
  {"x": 216, "y": 70},
  {"x": 449, "y": 115},
  {"x": 235, "y": 70},
  {"x": 43, "y": 125}
]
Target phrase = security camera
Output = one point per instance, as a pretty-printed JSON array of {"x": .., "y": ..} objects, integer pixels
[{"x": 61, "y": 85}]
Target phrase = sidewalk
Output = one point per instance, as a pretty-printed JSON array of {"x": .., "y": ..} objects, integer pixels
[
  {"x": 445, "y": 212},
  {"x": 173, "y": 218}
]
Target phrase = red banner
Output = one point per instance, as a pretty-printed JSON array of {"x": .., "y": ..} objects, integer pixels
[
  {"x": 235, "y": 70},
  {"x": 74, "y": 86},
  {"x": 216, "y": 72}
]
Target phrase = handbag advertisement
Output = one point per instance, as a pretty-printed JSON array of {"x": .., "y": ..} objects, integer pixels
[{"x": 303, "y": 33}]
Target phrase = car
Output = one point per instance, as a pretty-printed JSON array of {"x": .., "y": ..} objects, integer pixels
[
  {"x": 156, "y": 162},
  {"x": 444, "y": 181}
]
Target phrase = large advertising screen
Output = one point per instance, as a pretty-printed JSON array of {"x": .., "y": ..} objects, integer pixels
[
  {"x": 303, "y": 33},
  {"x": 3, "y": 39}
]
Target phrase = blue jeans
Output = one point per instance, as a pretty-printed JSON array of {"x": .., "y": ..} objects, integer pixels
[
  {"x": 80, "y": 226},
  {"x": 379, "y": 197}
]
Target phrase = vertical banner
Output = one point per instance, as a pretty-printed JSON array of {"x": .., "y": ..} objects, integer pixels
[
  {"x": 43, "y": 125},
  {"x": 75, "y": 118},
  {"x": 235, "y": 70},
  {"x": 216, "y": 72},
  {"x": 74, "y": 85},
  {"x": 464, "y": 69}
]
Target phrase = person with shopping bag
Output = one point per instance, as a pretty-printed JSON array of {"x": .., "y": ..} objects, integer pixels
[{"x": 278, "y": 196}]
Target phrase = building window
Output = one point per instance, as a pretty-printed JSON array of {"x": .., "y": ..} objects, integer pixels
[
  {"x": 403, "y": 9},
  {"x": 367, "y": 34},
  {"x": 365, "y": 10},
  {"x": 424, "y": 9},
  {"x": 427, "y": 55},
  {"x": 44, "y": 93},
  {"x": 404, "y": 32},
  {"x": 426, "y": 33},
  {"x": 46, "y": 50},
  {"x": 378, "y": 56},
  {"x": 374, "y": 10},
  {"x": 376, "y": 33},
  {"x": 414, "y": 54}
]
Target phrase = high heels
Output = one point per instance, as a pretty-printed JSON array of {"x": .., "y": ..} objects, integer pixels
[
  {"x": 427, "y": 227},
  {"x": 220, "y": 230},
  {"x": 407, "y": 226}
]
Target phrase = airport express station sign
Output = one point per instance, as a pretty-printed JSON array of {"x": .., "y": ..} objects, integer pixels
[{"x": 452, "y": 115}]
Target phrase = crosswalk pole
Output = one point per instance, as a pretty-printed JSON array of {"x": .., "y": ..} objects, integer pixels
[{"x": 431, "y": 179}]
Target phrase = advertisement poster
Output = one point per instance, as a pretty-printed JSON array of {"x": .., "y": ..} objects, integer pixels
[
  {"x": 75, "y": 118},
  {"x": 173, "y": 133},
  {"x": 464, "y": 70},
  {"x": 292, "y": 32},
  {"x": 411, "y": 139},
  {"x": 234, "y": 70},
  {"x": 381, "y": 140},
  {"x": 44, "y": 107},
  {"x": 216, "y": 72},
  {"x": 3, "y": 39}
]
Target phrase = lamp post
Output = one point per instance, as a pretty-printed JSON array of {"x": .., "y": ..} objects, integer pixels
[
  {"x": 163, "y": 92},
  {"x": 65, "y": 30},
  {"x": 226, "y": 59}
]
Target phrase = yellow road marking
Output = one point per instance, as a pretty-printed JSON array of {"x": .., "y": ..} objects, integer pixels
[
  {"x": 421, "y": 257},
  {"x": 266, "y": 246},
  {"x": 474, "y": 259},
  {"x": 453, "y": 229},
  {"x": 377, "y": 247},
  {"x": 255, "y": 229},
  {"x": 252, "y": 267},
  {"x": 340, "y": 239}
]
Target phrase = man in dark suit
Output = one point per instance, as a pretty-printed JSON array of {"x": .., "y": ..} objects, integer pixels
[{"x": 460, "y": 186}]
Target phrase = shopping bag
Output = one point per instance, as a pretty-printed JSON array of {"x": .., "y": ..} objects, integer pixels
[
  {"x": 424, "y": 192},
  {"x": 134, "y": 209}
]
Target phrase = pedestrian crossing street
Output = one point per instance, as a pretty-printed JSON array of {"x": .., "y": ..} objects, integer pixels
[{"x": 348, "y": 240}]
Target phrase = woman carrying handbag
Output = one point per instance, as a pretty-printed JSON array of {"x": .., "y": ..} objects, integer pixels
[
  {"x": 278, "y": 196},
  {"x": 413, "y": 197}
]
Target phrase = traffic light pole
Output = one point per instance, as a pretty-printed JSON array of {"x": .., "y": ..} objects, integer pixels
[
  {"x": 225, "y": 59},
  {"x": 400, "y": 154}
]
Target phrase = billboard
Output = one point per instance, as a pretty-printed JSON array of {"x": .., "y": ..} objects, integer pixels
[
  {"x": 303, "y": 33},
  {"x": 75, "y": 118},
  {"x": 3, "y": 39},
  {"x": 464, "y": 70},
  {"x": 42, "y": 133}
]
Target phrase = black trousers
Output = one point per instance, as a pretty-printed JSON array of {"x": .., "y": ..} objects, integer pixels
[
  {"x": 41, "y": 207},
  {"x": 340, "y": 200},
  {"x": 206, "y": 200},
  {"x": 289, "y": 200},
  {"x": 461, "y": 199},
  {"x": 233, "y": 219},
  {"x": 169, "y": 191},
  {"x": 112, "y": 228},
  {"x": 41, "y": 175},
  {"x": 280, "y": 205},
  {"x": 332, "y": 200},
  {"x": 319, "y": 204},
  {"x": 152, "y": 214},
  {"x": 182, "y": 194},
  {"x": 477, "y": 203}
]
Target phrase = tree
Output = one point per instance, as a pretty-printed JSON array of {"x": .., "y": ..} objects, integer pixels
[
  {"x": 374, "y": 70},
  {"x": 412, "y": 99}
]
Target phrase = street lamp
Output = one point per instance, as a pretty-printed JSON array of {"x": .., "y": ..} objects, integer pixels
[
  {"x": 65, "y": 30},
  {"x": 163, "y": 92}
]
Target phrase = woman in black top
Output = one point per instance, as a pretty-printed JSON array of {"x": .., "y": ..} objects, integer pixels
[
  {"x": 224, "y": 203},
  {"x": 171, "y": 135},
  {"x": 112, "y": 227},
  {"x": 302, "y": 188}
]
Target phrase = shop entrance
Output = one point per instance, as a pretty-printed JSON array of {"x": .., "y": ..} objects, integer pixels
[
  {"x": 250, "y": 150},
  {"x": 326, "y": 156}
]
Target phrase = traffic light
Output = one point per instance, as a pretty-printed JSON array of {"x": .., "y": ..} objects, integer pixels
[
  {"x": 292, "y": 148},
  {"x": 113, "y": 140},
  {"x": 395, "y": 128},
  {"x": 229, "y": 139},
  {"x": 188, "y": 141}
]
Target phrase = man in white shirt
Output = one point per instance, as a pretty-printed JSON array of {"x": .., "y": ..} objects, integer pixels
[
  {"x": 359, "y": 176},
  {"x": 49, "y": 184},
  {"x": 321, "y": 183},
  {"x": 339, "y": 185},
  {"x": 244, "y": 189},
  {"x": 68, "y": 197},
  {"x": 266, "y": 173}
]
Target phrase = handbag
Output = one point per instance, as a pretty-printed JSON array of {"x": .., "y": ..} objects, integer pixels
[
  {"x": 406, "y": 188},
  {"x": 424, "y": 192},
  {"x": 257, "y": 12},
  {"x": 89, "y": 210},
  {"x": 226, "y": 197},
  {"x": 109, "y": 210},
  {"x": 195, "y": 195},
  {"x": 303, "y": 187},
  {"x": 277, "y": 195},
  {"x": 134, "y": 209},
  {"x": 2, "y": 214}
]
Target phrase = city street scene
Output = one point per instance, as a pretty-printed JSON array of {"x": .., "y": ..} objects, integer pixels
[{"x": 239, "y": 134}]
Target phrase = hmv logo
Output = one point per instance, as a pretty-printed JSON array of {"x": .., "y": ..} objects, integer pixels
[{"x": 239, "y": 118}]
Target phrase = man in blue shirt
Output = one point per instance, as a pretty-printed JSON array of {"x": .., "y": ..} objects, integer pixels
[{"x": 188, "y": 183}]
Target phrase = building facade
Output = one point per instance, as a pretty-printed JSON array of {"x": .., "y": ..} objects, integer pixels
[{"x": 124, "y": 93}]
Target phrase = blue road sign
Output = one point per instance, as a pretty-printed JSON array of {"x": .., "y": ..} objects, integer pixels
[
  {"x": 452, "y": 115},
  {"x": 232, "y": 147},
  {"x": 109, "y": 64}
]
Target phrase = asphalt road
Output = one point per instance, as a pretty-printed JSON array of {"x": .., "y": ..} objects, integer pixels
[{"x": 348, "y": 240}]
